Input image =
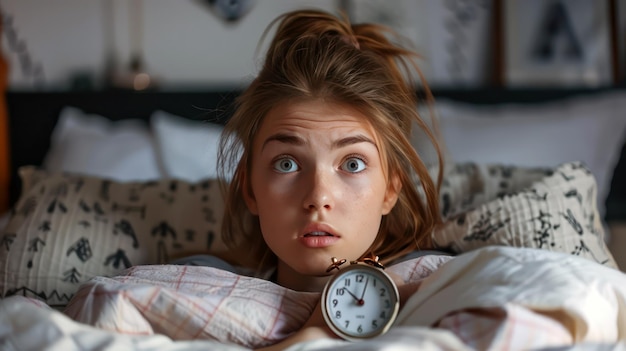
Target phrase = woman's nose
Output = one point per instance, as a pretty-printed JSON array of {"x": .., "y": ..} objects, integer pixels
[{"x": 319, "y": 191}]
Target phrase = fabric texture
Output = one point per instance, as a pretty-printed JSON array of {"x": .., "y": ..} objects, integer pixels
[
  {"x": 94, "y": 145},
  {"x": 549, "y": 209},
  {"x": 187, "y": 149},
  {"x": 68, "y": 228},
  {"x": 493, "y": 298},
  {"x": 590, "y": 129}
]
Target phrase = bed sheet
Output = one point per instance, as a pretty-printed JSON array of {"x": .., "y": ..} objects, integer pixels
[{"x": 494, "y": 298}]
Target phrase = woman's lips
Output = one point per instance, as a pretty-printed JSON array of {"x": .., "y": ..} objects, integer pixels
[
  {"x": 318, "y": 241},
  {"x": 317, "y": 235}
]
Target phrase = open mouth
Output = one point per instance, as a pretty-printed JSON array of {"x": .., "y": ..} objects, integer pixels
[{"x": 317, "y": 234}]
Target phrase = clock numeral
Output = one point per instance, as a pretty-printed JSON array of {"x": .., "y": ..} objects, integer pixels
[
  {"x": 338, "y": 314},
  {"x": 335, "y": 302},
  {"x": 347, "y": 282},
  {"x": 383, "y": 291},
  {"x": 375, "y": 323},
  {"x": 375, "y": 282},
  {"x": 359, "y": 278},
  {"x": 340, "y": 291},
  {"x": 387, "y": 304},
  {"x": 347, "y": 324},
  {"x": 383, "y": 315},
  {"x": 359, "y": 329}
]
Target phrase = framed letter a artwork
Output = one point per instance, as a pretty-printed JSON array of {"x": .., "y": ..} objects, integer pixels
[{"x": 557, "y": 43}]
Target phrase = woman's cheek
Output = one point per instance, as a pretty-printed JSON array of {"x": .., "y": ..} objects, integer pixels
[
  {"x": 280, "y": 185},
  {"x": 360, "y": 185}
]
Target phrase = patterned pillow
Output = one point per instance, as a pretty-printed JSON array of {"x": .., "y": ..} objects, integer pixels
[
  {"x": 68, "y": 228},
  {"x": 552, "y": 209}
]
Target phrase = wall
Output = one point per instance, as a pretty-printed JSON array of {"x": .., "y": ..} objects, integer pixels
[
  {"x": 182, "y": 41},
  {"x": 184, "y": 44},
  {"x": 73, "y": 43}
]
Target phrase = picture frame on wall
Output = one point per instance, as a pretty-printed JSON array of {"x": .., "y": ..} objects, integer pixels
[
  {"x": 557, "y": 43},
  {"x": 452, "y": 37},
  {"x": 618, "y": 12},
  {"x": 404, "y": 17}
]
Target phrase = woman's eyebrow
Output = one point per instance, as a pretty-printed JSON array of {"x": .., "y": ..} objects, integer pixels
[
  {"x": 354, "y": 139},
  {"x": 339, "y": 143},
  {"x": 284, "y": 138}
]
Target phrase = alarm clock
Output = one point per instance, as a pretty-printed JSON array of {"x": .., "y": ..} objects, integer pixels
[{"x": 361, "y": 301}]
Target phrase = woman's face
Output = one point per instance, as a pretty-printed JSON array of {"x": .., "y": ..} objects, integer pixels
[{"x": 317, "y": 184}]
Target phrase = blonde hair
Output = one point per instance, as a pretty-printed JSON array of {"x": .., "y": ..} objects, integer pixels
[{"x": 317, "y": 56}]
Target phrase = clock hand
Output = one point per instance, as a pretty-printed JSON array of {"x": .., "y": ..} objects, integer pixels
[
  {"x": 351, "y": 294},
  {"x": 361, "y": 301}
]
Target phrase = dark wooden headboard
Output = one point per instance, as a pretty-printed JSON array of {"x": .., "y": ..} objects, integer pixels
[{"x": 33, "y": 115}]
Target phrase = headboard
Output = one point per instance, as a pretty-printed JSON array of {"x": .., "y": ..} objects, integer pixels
[{"x": 33, "y": 115}]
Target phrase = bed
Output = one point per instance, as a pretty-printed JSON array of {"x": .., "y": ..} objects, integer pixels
[{"x": 109, "y": 187}]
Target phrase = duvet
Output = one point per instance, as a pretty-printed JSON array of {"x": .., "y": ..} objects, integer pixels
[{"x": 492, "y": 298}]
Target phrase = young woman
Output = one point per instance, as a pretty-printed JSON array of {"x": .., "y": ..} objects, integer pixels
[{"x": 318, "y": 158}]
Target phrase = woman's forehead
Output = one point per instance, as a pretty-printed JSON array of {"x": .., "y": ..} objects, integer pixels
[{"x": 318, "y": 114}]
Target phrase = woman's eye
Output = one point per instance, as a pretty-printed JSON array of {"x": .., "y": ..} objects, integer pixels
[
  {"x": 353, "y": 165},
  {"x": 286, "y": 165}
]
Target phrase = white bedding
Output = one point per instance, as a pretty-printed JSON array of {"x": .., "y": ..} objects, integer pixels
[
  {"x": 491, "y": 298},
  {"x": 562, "y": 292}
]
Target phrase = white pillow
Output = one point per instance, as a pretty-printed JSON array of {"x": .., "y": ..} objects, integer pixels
[
  {"x": 187, "y": 149},
  {"x": 93, "y": 145},
  {"x": 591, "y": 129}
]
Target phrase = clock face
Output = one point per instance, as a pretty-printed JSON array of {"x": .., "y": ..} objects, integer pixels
[{"x": 360, "y": 302}]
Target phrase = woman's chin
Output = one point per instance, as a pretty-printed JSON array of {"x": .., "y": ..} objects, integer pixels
[
  {"x": 312, "y": 266},
  {"x": 315, "y": 270}
]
